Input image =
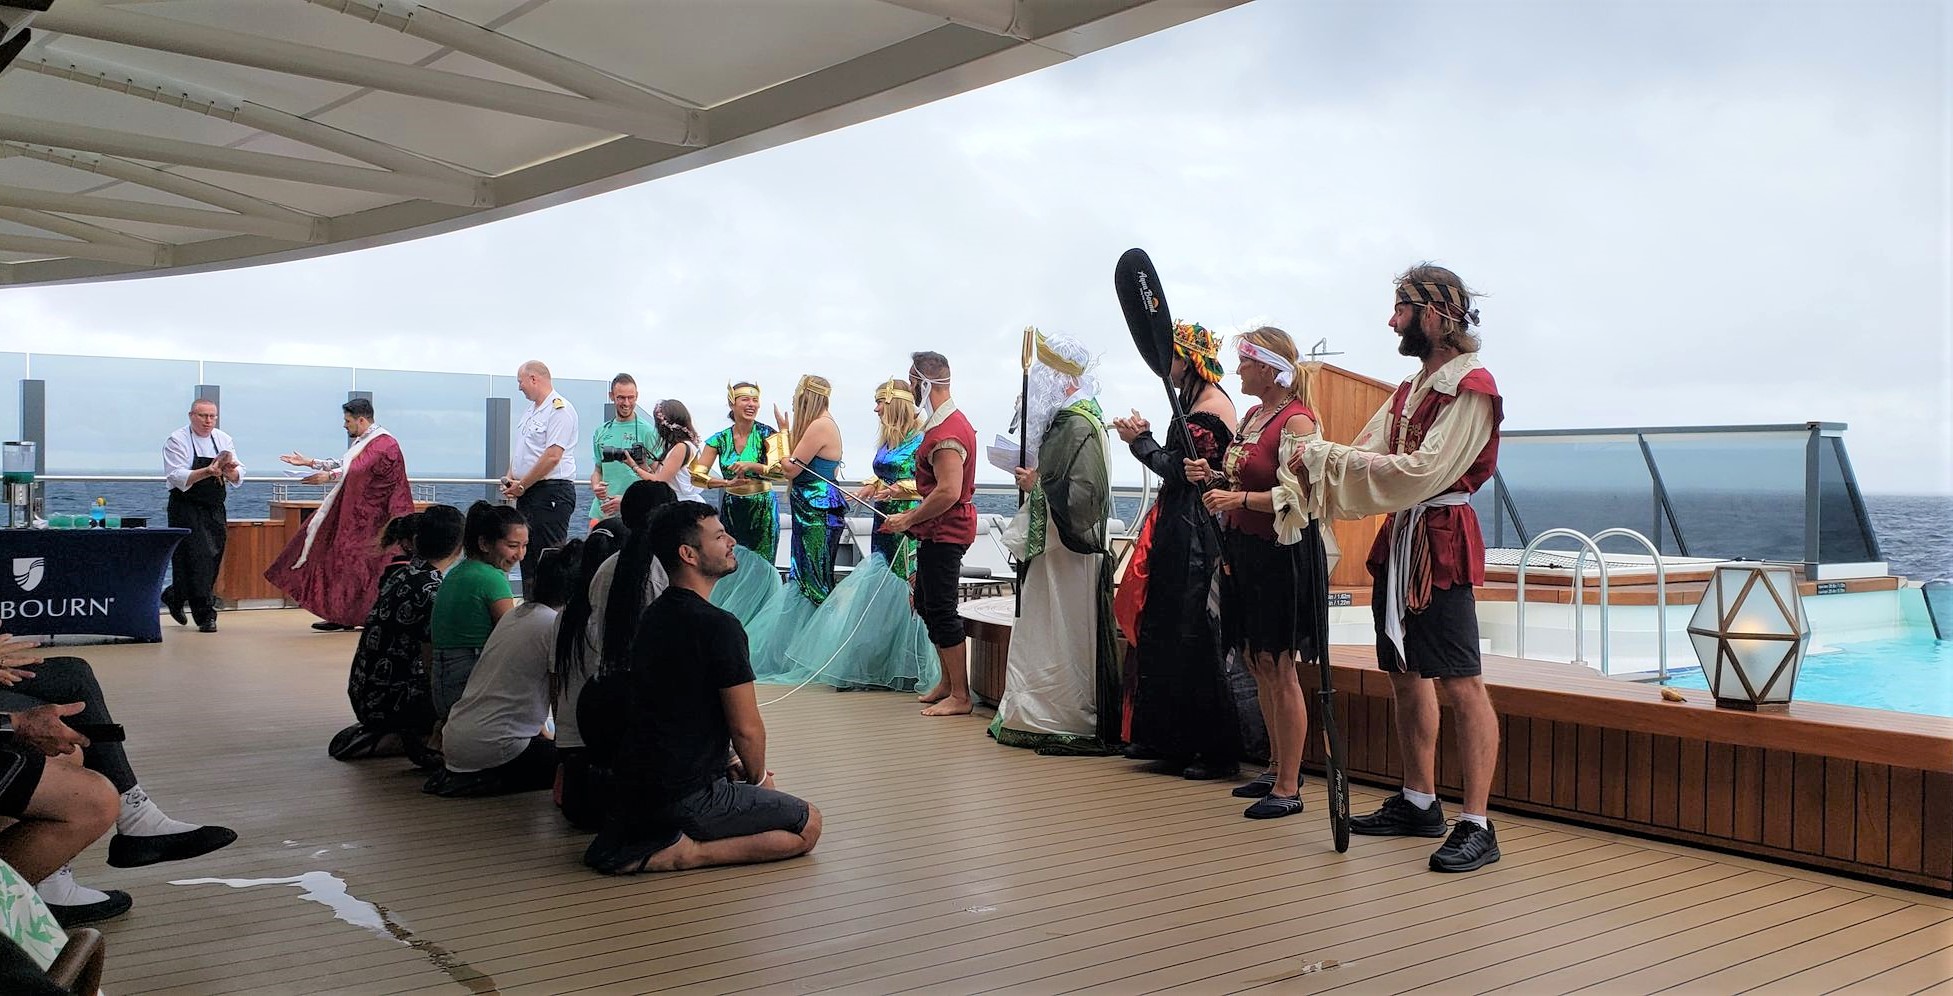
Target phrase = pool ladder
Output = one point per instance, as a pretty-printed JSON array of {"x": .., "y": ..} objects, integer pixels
[{"x": 1591, "y": 544}]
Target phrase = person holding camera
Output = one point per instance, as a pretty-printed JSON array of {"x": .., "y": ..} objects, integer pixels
[
  {"x": 618, "y": 447},
  {"x": 200, "y": 464},
  {"x": 542, "y": 465}
]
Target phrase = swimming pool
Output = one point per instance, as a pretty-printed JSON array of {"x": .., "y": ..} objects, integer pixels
[{"x": 1908, "y": 675}]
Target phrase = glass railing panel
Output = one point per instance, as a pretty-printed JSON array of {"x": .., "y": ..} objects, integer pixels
[
  {"x": 271, "y": 409},
  {"x": 1588, "y": 483},
  {"x": 107, "y": 415},
  {"x": 437, "y": 417},
  {"x": 1841, "y": 536},
  {"x": 1736, "y": 494},
  {"x": 13, "y": 367},
  {"x": 588, "y": 397}
]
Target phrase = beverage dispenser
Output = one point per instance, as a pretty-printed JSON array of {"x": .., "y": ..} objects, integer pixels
[{"x": 17, "y": 472}]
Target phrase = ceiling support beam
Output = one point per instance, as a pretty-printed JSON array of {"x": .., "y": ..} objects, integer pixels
[
  {"x": 178, "y": 153},
  {"x": 158, "y": 214},
  {"x": 489, "y": 45},
  {"x": 1008, "y": 18},
  {"x": 87, "y": 19},
  {"x": 159, "y": 256},
  {"x": 144, "y": 175},
  {"x": 145, "y": 85}
]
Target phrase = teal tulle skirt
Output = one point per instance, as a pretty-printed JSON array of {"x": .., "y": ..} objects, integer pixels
[
  {"x": 774, "y": 633},
  {"x": 750, "y": 590},
  {"x": 865, "y": 636}
]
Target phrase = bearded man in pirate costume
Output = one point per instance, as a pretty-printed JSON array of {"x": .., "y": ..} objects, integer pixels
[
  {"x": 1183, "y": 716},
  {"x": 1061, "y": 680},
  {"x": 1420, "y": 458}
]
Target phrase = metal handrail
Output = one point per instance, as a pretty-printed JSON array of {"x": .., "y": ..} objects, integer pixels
[
  {"x": 1661, "y": 594},
  {"x": 1579, "y": 618}
]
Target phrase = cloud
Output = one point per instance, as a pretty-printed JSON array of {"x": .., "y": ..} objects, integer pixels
[{"x": 1685, "y": 214}]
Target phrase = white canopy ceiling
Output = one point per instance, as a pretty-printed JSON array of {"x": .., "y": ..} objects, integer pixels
[{"x": 142, "y": 137}]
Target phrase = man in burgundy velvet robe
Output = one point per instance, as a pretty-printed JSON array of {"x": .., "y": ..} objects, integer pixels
[{"x": 332, "y": 568}]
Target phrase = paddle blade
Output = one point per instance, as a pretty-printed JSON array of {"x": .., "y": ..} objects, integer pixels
[{"x": 1144, "y": 302}]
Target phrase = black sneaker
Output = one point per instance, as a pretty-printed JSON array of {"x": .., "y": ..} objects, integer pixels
[
  {"x": 1398, "y": 818},
  {"x": 1470, "y": 848}
]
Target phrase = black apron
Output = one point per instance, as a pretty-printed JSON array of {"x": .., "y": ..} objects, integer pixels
[{"x": 200, "y": 509}]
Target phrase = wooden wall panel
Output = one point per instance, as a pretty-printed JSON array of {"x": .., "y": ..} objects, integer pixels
[
  {"x": 1807, "y": 803},
  {"x": 1870, "y": 815},
  {"x": 1748, "y": 789},
  {"x": 1641, "y": 774},
  {"x": 1666, "y": 777},
  {"x": 1779, "y": 809},
  {"x": 250, "y": 545},
  {"x": 1719, "y": 790},
  {"x": 1691, "y": 805},
  {"x": 1587, "y": 793},
  {"x": 1344, "y": 401},
  {"x": 1936, "y": 819},
  {"x": 1541, "y": 779},
  {"x": 1613, "y": 773},
  {"x": 1840, "y": 796},
  {"x": 1905, "y": 810}
]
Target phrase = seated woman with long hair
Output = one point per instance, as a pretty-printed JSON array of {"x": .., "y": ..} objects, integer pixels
[
  {"x": 580, "y": 641},
  {"x": 388, "y": 685}
]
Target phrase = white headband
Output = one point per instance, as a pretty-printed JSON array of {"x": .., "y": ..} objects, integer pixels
[{"x": 1284, "y": 370}]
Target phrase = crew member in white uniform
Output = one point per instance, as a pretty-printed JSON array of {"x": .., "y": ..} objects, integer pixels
[{"x": 541, "y": 479}]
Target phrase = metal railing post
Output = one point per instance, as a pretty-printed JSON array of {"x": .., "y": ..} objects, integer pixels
[
  {"x": 1661, "y": 596},
  {"x": 1579, "y": 618}
]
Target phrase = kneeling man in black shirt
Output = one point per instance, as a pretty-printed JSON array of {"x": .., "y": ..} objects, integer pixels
[{"x": 675, "y": 802}]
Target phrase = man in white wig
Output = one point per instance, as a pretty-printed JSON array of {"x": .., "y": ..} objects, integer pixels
[{"x": 1061, "y": 685}]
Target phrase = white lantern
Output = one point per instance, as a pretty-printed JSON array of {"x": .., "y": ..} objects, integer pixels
[{"x": 1750, "y": 633}]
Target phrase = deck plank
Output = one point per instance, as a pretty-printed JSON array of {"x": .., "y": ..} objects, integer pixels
[{"x": 950, "y": 864}]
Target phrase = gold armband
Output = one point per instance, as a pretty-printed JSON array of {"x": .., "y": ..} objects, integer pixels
[
  {"x": 701, "y": 474},
  {"x": 902, "y": 490},
  {"x": 776, "y": 456}
]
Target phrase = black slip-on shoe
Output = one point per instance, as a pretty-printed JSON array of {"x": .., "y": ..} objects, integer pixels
[
  {"x": 1469, "y": 848},
  {"x": 1208, "y": 771},
  {"x": 1398, "y": 818},
  {"x": 117, "y": 903},
  {"x": 329, "y": 627},
  {"x": 175, "y": 607},
  {"x": 126, "y": 851},
  {"x": 1274, "y": 807},
  {"x": 1263, "y": 784}
]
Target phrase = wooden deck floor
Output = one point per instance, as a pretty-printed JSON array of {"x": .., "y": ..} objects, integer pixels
[{"x": 949, "y": 865}]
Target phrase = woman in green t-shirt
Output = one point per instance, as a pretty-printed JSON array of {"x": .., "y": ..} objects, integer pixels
[{"x": 474, "y": 594}]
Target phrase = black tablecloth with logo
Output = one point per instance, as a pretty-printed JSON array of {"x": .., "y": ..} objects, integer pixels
[{"x": 100, "y": 582}]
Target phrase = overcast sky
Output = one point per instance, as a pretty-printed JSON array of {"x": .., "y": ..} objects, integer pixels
[{"x": 1684, "y": 213}]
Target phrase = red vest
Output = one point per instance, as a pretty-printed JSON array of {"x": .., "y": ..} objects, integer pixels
[
  {"x": 1251, "y": 467},
  {"x": 1457, "y": 545},
  {"x": 958, "y": 524}
]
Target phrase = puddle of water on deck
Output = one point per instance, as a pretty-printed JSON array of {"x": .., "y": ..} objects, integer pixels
[{"x": 329, "y": 890}]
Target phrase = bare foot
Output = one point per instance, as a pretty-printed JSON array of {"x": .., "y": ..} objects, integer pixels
[
  {"x": 680, "y": 855},
  {"x": 949, "y": 706},
  {"x": 934, "y": 695}
]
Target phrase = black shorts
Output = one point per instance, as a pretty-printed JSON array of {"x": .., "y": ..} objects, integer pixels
[
  {"x": 21, "y": 767},
  {"x": 721, "y": 810},
  {"x": 938, "y": 572},
  {"x": 1441, "y": 641}
]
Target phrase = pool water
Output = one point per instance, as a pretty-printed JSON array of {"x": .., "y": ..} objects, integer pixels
[{"x": 1908, "y": 675}]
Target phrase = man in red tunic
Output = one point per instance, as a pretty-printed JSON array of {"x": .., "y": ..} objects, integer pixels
[
  {"x": 944, "y": 526},
  {"x": 1419, "y": 459},
  {"x": 333, "y": 566}
]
